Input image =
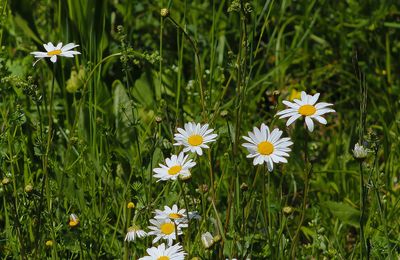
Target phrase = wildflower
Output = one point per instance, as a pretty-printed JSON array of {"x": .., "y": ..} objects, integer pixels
[
  {"x": 306, "y": 107},
  {"x": 266, "y": 146},
  {"x": 164, "y": 12},
  {"x": 162, "y": 252},
  {"x": 49, "y": 243},
  {"x": 194, "y": 137},
  {"x": 164, "y": 228},
  {"x": 174, "y": 214},
  {"x": 207, "y": 240},
  {"x": 5, "y": 181},
  {"x": 133, "y": 232},
  {"x": 130, "y": 205},
  {"x": 73, "y": 220},
  {"x": 53, "y": 51},
  {"x": 360, "y": 152},
  {"x": 175, "y": 166},
  {"x": 287, "y": 209},
  {"x": 28, "y": 188}
]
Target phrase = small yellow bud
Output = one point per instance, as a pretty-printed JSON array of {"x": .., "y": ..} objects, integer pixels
[
  {"x": 28, "y": 188},
  {"x": 49, "y": 243},
  {"x": 287, "y": 210},
  {"x": 5, "y": 181},
  {"x": 131, "y": 205},
  {"x": 164, "y": 12}
]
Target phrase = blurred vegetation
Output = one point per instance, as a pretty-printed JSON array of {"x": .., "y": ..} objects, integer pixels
[{"x": 227, "y": 63}]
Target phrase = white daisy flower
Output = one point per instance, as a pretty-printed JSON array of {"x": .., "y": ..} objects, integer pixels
[
  {"x": 161, "y": 252},
  {"x": 174, "y": 214},
  {"x": 53, "y": 51},
  {"x": 266, "y": 146},
  {"x": 194, "y": 137},
  {"x": 175, "y": 166},
  {"x": 165, "y": 229},
  {"x": 133, "y": 232},
  {"x": 306, "y": 107}
]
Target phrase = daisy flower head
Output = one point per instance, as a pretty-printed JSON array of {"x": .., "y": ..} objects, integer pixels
[
  {"x": 53, "y": 51},
  {"x": 266, "y": 146},
  {"x": 133, "y": 233},
  {"x": 174, "y": 214},
  {"x": 162, "y": 252},
  {"x": 174, "y": 166},
  {"x": 194, "y": 137},
  {"x": 165, "y": 229},
  {"x": 308, "y": 107}
]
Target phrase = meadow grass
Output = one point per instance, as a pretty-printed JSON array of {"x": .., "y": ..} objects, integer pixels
[{"x": 83, "y": 135}]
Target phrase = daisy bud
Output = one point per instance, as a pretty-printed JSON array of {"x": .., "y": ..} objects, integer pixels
[
  {"x": 131, "y": 205},
  {"x": 5, "y": 181},
  {"x": 28, "y": 188},
  {"x": 217, "y": 238},
  {"x": 164, "y": 12},
  {"x": 244, "y": 187},
  {"x": 158, "y": 119},
  {"x": 287, "y": 210},
  {"x": 185, "y": 177},
  {"x": 360, "y": 152},
  {"x": 207, "y": 240},
  {"x": 224, "y": 113}
]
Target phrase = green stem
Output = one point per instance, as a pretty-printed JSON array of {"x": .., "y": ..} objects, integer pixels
[
  {"x": 362, "y": 207},
  {"x": 308, "y": 167},
  {"x": 198, "y": 61}
]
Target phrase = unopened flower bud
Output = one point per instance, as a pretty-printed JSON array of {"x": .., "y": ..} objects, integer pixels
[
  {"x": 207, "y": 240},
  {"x": 28, "y": 188},
  {"x": 5, "y": 181},
  {"x": 360, "y": 152},
  {"x": 244, "y": 187},
  {"x": 217, "y": 238},
  {"x": 131, "y": 205},
  {"x": 164, "y": 12},
  {"x": 287, "y": 210},
  {"x": 185, "y": 177},
  {"x": 158, "y": 119}
]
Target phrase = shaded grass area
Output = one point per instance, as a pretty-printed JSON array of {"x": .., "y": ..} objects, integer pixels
[{"x": 140, "y": 76}]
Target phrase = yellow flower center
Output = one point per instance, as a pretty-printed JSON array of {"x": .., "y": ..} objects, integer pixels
[
  {"x": 175, "y": 216},
  {"x": 174, "y": 170},
  {"x": 307, "y": 110},
  {"x": 195, "y": 140},
  {"x": 55, "y": 52},
  {"x": 163, "y": 258},
  {"x": 167, "y": 228},
  {"x": 265, "y": 148},
  {"x": 73, "y": 223}
]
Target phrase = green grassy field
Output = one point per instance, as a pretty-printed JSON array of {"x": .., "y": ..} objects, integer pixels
[{"x": 85, "y": 135}]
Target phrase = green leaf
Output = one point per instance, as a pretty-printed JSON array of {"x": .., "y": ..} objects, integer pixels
[{"x": 344, "y": 212}]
